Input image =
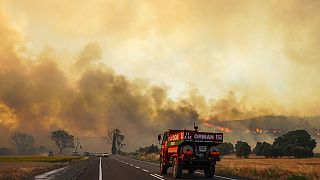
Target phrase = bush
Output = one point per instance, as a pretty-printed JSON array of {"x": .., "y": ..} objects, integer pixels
[
  {"x": 242, "y": 149},
  {"x": 296, "y": 143},
  {"x": 300, "y": 152},
  {"x": 148, "y": 149},
  {"x": 297, "y": 177},
  {"x": 7, "y": 151},
  {"x": 265, "y": 149},
  {"x": 225, "y": 148}
]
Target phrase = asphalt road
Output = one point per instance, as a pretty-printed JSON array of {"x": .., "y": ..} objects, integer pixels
[{"x": 122, "y": 168}]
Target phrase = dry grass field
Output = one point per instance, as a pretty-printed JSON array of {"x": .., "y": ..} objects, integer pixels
[
  {"x": 50, "y": 159},
  {"x": 261, "y": 168},
  {"x": 23, "y": 167},
  {"x": 256, "y": 167},
  {"x": 22, "y": 170}
]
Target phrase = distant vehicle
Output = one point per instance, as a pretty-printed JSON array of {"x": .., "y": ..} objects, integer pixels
[
  {"x": 105, "y": 155},
  {"x": 189, "y": 150},
  {"x": 87, "y": 154},
  {"x": 76, "y": 154},
  {"x": 50, "y": 153},
  {"x": 98, "y": 154}
]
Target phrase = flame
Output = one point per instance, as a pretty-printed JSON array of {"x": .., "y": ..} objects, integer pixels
[
  {"x": 208, "y": 124},
  {"x": 227, "y": 130},
  {"x": 223, "y": 129}
]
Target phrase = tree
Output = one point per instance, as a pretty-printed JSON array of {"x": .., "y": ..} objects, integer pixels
[
  {"x": 6, "y": 151},
  {"x": 115, "y": 138},
  {"x": 63, "y": 139},
  {"x": 42, "y": 149},
  {"x": 24, "y": 142},
  {"x": 263, "y": 149},
  {"x": 301, "y": 152},
  {"x": 242, "y": 149},
  {"x": 225, "y": 148},
  {"x": 114, "y": 144},
  {"x": 296, "y": 143}
]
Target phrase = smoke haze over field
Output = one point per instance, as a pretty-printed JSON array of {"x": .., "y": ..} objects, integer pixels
[{"x": 88, "y": 66}]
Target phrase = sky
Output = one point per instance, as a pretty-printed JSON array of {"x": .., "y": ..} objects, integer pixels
[{"x": 259, "y": 56}]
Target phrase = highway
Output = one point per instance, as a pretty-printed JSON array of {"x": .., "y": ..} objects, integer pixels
[{"x": 123, "y": 168}]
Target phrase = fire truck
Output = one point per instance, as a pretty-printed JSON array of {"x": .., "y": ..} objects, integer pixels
[{"x": 189, "y": 150}]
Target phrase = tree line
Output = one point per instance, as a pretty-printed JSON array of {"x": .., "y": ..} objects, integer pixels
[
  {"x": 24, "y": 143},
  {"x": 296, "y": 143}
]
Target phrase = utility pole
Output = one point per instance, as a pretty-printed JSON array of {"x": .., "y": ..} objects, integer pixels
[{"x": 77, "y": 144}]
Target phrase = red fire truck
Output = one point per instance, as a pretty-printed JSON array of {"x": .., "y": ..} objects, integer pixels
[{"x": 189, "y": 150}]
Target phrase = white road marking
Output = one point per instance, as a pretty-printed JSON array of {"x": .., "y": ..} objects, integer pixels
[
  {"x": 155, "y": 175},
  {"x": 50, "y": 174},
  {"x": 140, "y": 161},
  {"x": 224, "y": 177},
  {"x": 161, "y": 177},
  {"x": 217, "y": 176},
  {"x": 158, "y": 175},
  {"x": 100, "y": 171}
]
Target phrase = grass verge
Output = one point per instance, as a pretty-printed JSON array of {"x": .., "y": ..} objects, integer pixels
[
  {"x": 26, "y": 167},
  {"x": 49, "y": 159}
]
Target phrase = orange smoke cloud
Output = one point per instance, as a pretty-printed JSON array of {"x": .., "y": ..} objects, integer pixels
[{"x": 216, "y": 58}]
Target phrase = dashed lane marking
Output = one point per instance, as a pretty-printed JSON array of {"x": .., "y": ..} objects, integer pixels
[
  {"x": 153, "y": 175},
  {"x": 139, "y": 161},
  {"x": 225, "y": 177},
  {"x": 217, "y": 176},
  {"x": 157, "y": 176}
]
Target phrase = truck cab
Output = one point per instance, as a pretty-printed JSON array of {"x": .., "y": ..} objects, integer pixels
[{"x": 189, "y": 150}]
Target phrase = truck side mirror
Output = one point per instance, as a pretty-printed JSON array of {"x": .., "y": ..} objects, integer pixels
[{"x": 159, "y": 138}]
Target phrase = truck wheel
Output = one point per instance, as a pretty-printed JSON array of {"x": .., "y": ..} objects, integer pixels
[
  {"x": 191, "y": 171},
  {"x": 177, "y": 169},
  {"x": 163, "y": 168},
  {"x": 209, "y": 172}
]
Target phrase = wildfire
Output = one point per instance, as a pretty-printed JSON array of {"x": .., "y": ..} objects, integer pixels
[
  {"x": 253, "y": 130},
  {"x": 208, "y": 124},
  {"x": 223, "y": 129},
  {"x": 227, "y": 130}
]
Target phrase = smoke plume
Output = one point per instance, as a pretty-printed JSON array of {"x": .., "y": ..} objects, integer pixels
[{"x": 150, "y": 66}]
